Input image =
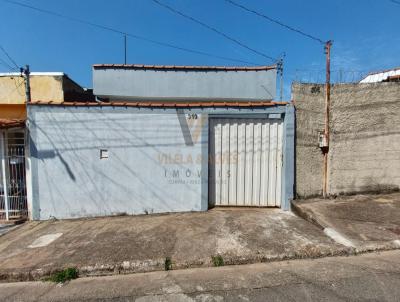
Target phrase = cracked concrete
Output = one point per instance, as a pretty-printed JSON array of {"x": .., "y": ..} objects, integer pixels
[
  {"x": 132, "y": 244},
  {"x": 366, "y": 222}
]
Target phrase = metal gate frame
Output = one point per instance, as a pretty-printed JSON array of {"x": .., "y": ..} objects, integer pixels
[
  {"x": 287, "y": 113},
  {"x": 277, "y": 161},
  {"x": 13, "y": 200}
]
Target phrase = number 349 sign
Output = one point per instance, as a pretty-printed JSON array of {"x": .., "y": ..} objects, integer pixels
[{"x": 191, "y": 116}]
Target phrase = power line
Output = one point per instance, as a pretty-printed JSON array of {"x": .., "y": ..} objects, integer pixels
[
  {"x": 214, "y": 30},
  {"x": 9, "y": 57},
  {"x": 394, "y": 1},
  {"x": 275, "y": 21},
  {"x": 111, "y": 29},
  {"x": 4, "y": 63},
  {"x": 17, "y": 87}
]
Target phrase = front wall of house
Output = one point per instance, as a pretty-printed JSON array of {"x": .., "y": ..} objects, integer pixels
[{"x": 155, "y": 160}]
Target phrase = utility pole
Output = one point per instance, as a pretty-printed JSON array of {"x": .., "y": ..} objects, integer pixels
[
  {"x": 280, "y": 72},
  {"x": 26, "y": 74},
  {"x": 325, "y": 148}
]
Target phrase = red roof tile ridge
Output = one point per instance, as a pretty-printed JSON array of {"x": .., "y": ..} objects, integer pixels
[
  {"x": 123, "y": 103},
  {"x": 186, "y": 67}
]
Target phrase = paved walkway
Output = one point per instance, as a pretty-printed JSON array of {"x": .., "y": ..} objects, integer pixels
[
  {"x": 368, "y": 277},
  {"x": 127, "y": 244},
  {"x": 365, "y": 222}
]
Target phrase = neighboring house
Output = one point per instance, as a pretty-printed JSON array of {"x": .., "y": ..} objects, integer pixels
[
  {"x": 391, "y": 75},
  {"x": 187, "y": 138},
  {"x": 55, "y": 87},
  {"x": 163, "y": 139}
]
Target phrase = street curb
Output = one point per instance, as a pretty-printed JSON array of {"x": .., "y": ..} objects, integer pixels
[
  {"x": 307, "y": 215},
  {"x": 132, "y": 267},
  {"x": 356, "y": 250}
]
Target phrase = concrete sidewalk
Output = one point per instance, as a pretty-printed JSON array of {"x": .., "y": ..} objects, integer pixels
[
  {"x": 5, "y": 228},
  {"x": 364, "y": 222},
  {"x": 127, "y": 244}
]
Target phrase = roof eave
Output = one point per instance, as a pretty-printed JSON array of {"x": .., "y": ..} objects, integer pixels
[
  {"x": 184, "y": 67},
  {"x": 249, "y": 104}
]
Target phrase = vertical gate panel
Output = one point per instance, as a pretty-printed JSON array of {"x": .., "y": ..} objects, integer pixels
[
  {"x": 212, "y": 164},
  {"x": 248, "y": 189},
  {"x": 233, "y": 141},
  {"x": 241, "y": 162},
  {"x": 257, "y": 163},
  {"x": 218, "y": 161},
  {"x": 272, "y": 164},
  {"x": 225, "y": 163},
  {"x": 264, "y": 164},
  {"x": 278, "y": 195}
]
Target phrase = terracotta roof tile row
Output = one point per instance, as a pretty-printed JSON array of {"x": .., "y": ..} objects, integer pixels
[
  {"x": 10, "y": 123},
  {"x": 164, "y": 104},
  {"x": 177, "y": 67},
  {"x": 394, "y": 78}
]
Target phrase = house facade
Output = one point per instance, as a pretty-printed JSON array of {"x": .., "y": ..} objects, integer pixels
[
  {"x": 163, "y": 139},
  {"x": 15, "y": 176},
  {"x": 390, "y": 75},
  {"x": 160, "y": 139}
]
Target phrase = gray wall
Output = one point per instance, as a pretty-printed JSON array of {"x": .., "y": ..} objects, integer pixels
[
  {"x": 364, "y": 143},
  {"x": 158, "y": 159},
  {"x": 138, "y": 84},
  {"x": 145, "y": 171}
]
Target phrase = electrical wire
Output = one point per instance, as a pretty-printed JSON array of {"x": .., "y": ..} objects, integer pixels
[
  {"x": 275, "y": 21},
  {"x": 9, "y": 57},
  {"x": 175, "y": 11},
  {"x": 394, "y": 1},
  {"x": 111, "y": 29},
  {"x": 5, "y": 64},
  {"x": 17, "y": 87}
]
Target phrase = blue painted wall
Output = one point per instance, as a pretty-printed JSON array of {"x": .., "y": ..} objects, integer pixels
[
  {"x": 157, "y": 159},
  {"x": 173, "y": 85}
]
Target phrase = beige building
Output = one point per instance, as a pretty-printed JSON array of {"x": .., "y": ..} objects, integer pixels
[{"x": 54, "y": 87}]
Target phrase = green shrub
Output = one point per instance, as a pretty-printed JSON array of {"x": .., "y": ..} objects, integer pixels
[
  {"x": 168, "y": 264},
  {"x": 64, "y": 275},
  {"x": 217, "y": 260}
]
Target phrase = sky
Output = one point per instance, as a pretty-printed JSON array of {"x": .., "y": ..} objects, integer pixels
[{"x": 365, "y": 35}]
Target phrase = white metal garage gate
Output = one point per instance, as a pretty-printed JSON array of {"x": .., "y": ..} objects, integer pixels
[{"x": 245, "y": 162}]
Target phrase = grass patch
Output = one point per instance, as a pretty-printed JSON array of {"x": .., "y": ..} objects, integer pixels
[
  {"x": 64, "y": 275},
  {"x": 168, "y": 264},
  {"x": 217, "y": 260}
]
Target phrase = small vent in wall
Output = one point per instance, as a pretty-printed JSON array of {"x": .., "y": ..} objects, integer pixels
[{"x": 103, "y": 153}]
